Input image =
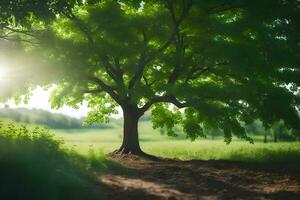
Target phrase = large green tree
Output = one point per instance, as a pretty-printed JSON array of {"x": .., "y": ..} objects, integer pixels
[{"x": 220, "y": 63}]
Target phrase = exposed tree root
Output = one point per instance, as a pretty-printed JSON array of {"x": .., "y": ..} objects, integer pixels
[{"x": 137, "y": 153}]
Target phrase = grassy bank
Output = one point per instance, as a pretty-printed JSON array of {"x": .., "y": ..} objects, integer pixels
[{"x": 34, "y": 165}]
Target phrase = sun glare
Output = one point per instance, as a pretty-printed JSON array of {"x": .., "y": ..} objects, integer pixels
[{"x": 2, "y": 71}]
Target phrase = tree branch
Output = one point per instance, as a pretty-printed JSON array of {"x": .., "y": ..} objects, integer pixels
[
  {"x": 178, "y": 38},
  {"x": 108, "y": 68},
  {"x": 119, "y": 71},
  {"x": 177, "y": 24},
  {"x": 196, "y": 72},
  {"x": 141, "y": 65},
  {"x": 93, "y": 91},
  {"x": 147, "y": 81},
  {"x": 28, "y": 33},
  {"x": 222, "y": 8},
  {"x": 167, "y": 99},
  {"x": 144, "y": 59},
  {"x": 8, "y": 35},
  {"x": 117, "y": 77},
  {"x": 107, "y": 89},
  {"x": 119, "y": 74},
  {"x": 84, "y": 29},
  {"x": 179, "y": 56},
  {"x": 18, "y": 40}
]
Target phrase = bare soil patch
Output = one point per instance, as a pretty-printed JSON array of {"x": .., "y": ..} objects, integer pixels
[{"x": 199, "y": 180}]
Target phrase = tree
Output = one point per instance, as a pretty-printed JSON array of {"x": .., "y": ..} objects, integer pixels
[{"x": 220, "y": 63}]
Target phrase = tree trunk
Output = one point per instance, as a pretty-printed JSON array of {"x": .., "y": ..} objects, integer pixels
[
  {"x": 275, "y": 137},
  {"x": 130, "y": 142},
  {"x": 265, "y": 137}
]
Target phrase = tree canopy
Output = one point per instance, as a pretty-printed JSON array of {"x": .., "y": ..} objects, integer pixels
[{"x": 220, "y": 63}]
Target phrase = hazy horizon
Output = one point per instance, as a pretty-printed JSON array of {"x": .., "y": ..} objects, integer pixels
[{"x": 39, "y": 100}]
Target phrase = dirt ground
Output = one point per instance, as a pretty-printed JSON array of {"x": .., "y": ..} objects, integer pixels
[{"x": 199, "y": 180}]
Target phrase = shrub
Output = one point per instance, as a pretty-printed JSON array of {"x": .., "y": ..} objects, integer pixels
[{"x": 35, "y": 165}]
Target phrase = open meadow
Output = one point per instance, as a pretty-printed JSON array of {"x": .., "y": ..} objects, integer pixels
[
  {"x": 156, "y": 143},
  {"x": 183, "y": 170},
  {"x": 240, "y": 169}
]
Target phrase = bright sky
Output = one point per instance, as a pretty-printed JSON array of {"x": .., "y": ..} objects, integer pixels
[
  {"x": 2, "y": 72},
  {"x": 39, "y": 100},
  {"x": 40, "y": 97}
]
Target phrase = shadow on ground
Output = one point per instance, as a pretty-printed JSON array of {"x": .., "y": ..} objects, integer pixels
[{"x": 191, "y": 180}]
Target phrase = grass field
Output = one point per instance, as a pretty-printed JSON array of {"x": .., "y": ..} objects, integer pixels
[
  {"x": 33, "y": 158},
  {"x": 107, "y": 140}
]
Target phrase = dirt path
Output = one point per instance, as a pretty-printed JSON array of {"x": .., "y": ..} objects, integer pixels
[{"x": 201, "y": 180}]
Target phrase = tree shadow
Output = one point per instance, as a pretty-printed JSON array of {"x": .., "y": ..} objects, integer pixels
[{"x": 195, "y": 179}]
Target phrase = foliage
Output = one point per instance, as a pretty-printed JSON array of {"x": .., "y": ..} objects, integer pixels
[
  {"x": 35, "y": 165},
  {"x": 223, "y": 62}
]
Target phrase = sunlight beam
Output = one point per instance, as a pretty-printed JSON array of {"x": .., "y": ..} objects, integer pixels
[{"x": 2, "y": 71}]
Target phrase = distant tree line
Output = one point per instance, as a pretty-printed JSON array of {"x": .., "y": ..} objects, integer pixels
[
  {"x": 45, "y": 118},
  {"x": 277, "y": 132}
]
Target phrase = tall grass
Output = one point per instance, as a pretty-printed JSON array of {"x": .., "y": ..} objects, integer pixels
[{"x": 35, "y": 166}]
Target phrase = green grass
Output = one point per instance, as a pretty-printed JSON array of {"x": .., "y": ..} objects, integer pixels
[
  {"x": 204, "y": 149},
  {"x": 34, "y": 165},
  {"x": 282, "y": 152}
]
